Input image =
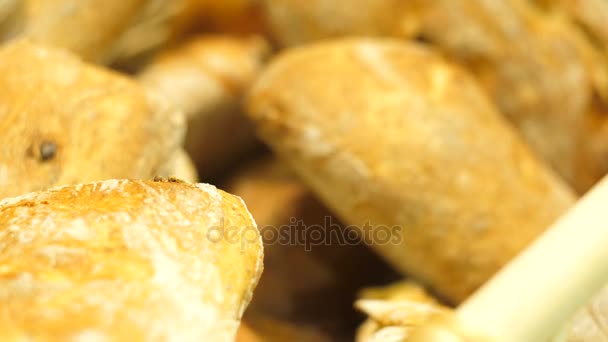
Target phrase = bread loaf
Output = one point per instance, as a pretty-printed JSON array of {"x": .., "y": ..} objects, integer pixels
[
  {"x": 126, "y": 260},
  {"x": 67, "y": 122},
  {"x": 406, "y": 146},
  {"x": 538, "y": 69},
  {"x": 115, "y": 31}
]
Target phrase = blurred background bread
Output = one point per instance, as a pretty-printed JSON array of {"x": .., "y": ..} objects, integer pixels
[
  {"x": 206, "y": 78},
  {"x": 67, "y": 122},
  {"x": 314, "y": 264}
]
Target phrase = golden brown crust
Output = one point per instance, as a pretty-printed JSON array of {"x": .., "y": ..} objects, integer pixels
[
  {"x": 65, "y": 122},
  {"x": 118, "y": 30},
  {"x": 82, "y": 26},
  {"x": 125, "y": 260},
  {"x": 589, "y": 19},
  {"x": 294, "y": 22},
  {"x": 538, "y": 69},
  {"x": 395, "y": 310},
  {"x": 389, "y": 134},
  {"x": 206, "y": 78},
  {"x": 206, "y": 71}
]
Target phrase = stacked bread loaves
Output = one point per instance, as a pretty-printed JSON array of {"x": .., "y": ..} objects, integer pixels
[{"x": 395, "y": 155}]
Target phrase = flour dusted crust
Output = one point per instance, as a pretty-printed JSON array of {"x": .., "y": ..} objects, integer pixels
[
  {"x": 125, "y": 260},
  {"x": 66, "y": 122},
  {"x": 389, "y": 134},
  {"x": 206, "y": 77}
]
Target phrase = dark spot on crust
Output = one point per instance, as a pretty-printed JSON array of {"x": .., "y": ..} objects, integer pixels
[
  {"x": 422, "y": 38},
  {"x": 158, "y": 179},
  {"x": 47, "y": 150}
]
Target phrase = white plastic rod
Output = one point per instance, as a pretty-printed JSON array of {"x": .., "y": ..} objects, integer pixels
[{"x": 536, "y": 293}]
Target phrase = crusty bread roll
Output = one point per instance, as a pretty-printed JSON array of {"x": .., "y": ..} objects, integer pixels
[
  {"x": 126, "y": 260},
  {"x": 206, "y": 72},
  {"x": 312, "y": 270},
  {"x": 406, "y": 146},
  {"x": 81, "y": 26},
  {"x": 589, "y": 18},
  {"x": 537, "y": 69},
  {"x": 293, "y": 22},
  {"x": 66, "y": 122},
  {"x": 206, "y": 78},
  {"x": 589, "y": 15},
  {"x": 104, "y": 33},
  {"x": 124, "y": 31},
  {"x": 395, "y": 310}
]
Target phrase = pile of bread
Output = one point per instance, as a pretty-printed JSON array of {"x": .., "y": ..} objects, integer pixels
[{"x": 394, "y": 154}]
